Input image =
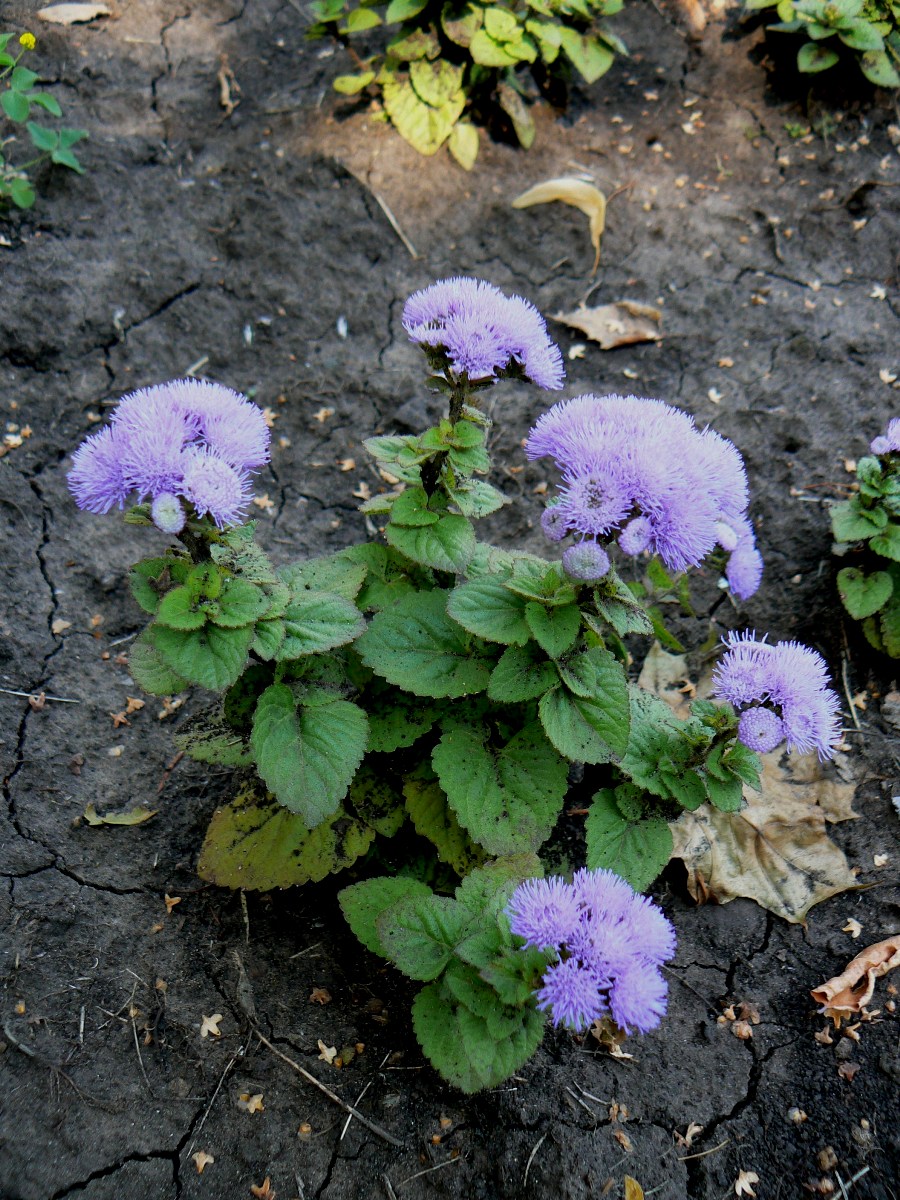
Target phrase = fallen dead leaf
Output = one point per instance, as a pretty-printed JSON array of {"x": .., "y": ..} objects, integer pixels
[
  {"x": 133, "y": 705},
  {"x": 320, "y": 996},
  {"x": 209, "y": 1026},
  {"x": 60, "y": 626},
  {"x": 119, "y": 719},
  {"x": 133, "y": 816},
  {"x": 742, "y": 1030},
  {"x": 347, "y": 464},
  {"x": 264, "y": 1191},
  {"x": 824, "y": 1037},
  {"x": 577, "y": 192},
  {"x": 623, "y": 1139},
  {"x": 323, "y": 414},
  {"x": 623, "y": 323},
  {"x": 775, "y": 850},
  {"x": 170, "y": 902},
  {"x": 848, "y": 993},
  {"x": 848, "y": 1070},
  {"x": 686, "y": 1140},
  {"x": 743, "y": 1183},
  {"x": 327, "y": 1053},
  {"x": 202, "y": 1160},
  {"x": 73, "y": 14},
  {"x": 263, "y": 502},
  {"x": 228, "y": 86},
  {"x": 251, "y": 1104},
  {"x": 633, "y": 1190},
  {"x": 852, "y": 927}
]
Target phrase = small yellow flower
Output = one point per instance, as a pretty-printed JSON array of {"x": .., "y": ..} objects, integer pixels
[{"x": 28, "y": 41}]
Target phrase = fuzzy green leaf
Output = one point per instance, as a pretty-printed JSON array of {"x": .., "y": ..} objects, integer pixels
[
  {"x": 415, "y": 645},
  {"x": 590, "y": 57},
  {"x": 207, "y": 737},
  {"x": 812, "y": 58},
  {"x": 508, "y": 799},
  {"x": 433, "y": 819},
  {"x": 446, "y": 545},
  {"x": 210, "y": 657},
  {"x": 421, "y": 933},
  {"x": 317, "y": 621},
  {"x": 307, "y": 754},
  {"x": 490, "y": 611},
  {"x": 554, "y": 629},
  {"x": 150, "y": 671},
  {"x": 887, "y": 542},
  {"x": 523, "y": 673},
  {"x": 363, "y": 903},
  {"x": 635, "y": 850},
  {"x": 864, "y": 594},
  {"x": 333, "y": 573},
  {"x": 179, "y": 610}
]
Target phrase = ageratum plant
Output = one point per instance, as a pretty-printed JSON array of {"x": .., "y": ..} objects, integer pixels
[
  {"x": 449, "y": 64},
  {"x": 865, "y": 30},
  {"x": 19, "y": 98},
  {"x": 412, "y": 706},
  {"x": 866, "y": 530}
]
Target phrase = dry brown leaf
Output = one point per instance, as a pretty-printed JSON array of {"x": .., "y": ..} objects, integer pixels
[
  {"x": 210, "y": 1026},
  {"x": 743, "y": 1183},
  {"x": 685, "y": 1140},
  {"x": 60, "y": 626},
  {"x": 201, "y": 1160},
  {"x": 848, "y": 1070},
  {"x": 251, "y": 1104},
  {"x": 633, "y": 1190},
  {"x": 577, "y": 192},
  {"x": 663, "y": 674},
  {"x": 775, "y": 850},
  {"x": 327, "y": 1053},
  {"x": 320, "y": 996},
  {"x": 852, "y": 927},
  {"x": 133, "y": 816},
  {"x": 263, "y": 1191},
  {"x": 73, "y": 14},
  {"x": 623, "y": 1139},
  {"x": 849, "y": 992},
  {"x": 623, "y": 323}
]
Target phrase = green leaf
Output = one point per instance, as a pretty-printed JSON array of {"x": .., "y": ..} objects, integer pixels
[
  {"x": 332, "y": 573},
  {"x": 433, "y": 819},
  {"x": 47, "y": 102},
  {"x": 43, "y": 139},
  {"x": 500, "y": 23},
  {"x": 725, "y": 794},
  {"x": 461, "y": 23},
  {"x": 508, "y": 799},
  {"x": 207, "y": 737},
  {"x": 850, "y": 523},
  {"x": 15, "y": 106},
  {"x": 586, "y": 674},
  {"x": 488, "y": 52},
  {"x": 862, "y": 36},
  {"x": 210, "y": 657},
  {"x": 420, "y": 933},
  {"x": 318, "y": 621},
  {"x": 424, "y": 127},
  {"x": 402, "y": 10},
  {"x": 256, "y": 845},
  {"x": 411, "y": 508},
  {"x": 654, "y": 730},
  {"x": 359, "y": 20},
  {"x": 351, "y": 85},
  {"x": 68, "y": 137},
  {"x": 66, "y": 158},
  {"x": 447, "y": 545},
  {"x": 635, "y": 850},
  {"x": 415, "y": 645},
  {"x": 475, "y": 497},
  {"x": 878, "y": 69},
  {"x": 178, "y": 610},
  {"x": 268, "y": 638},
  {"x": 591, "y": 730},
  {"x": 387, "y": 577},
  {"x": 487, "y": 889},
  {"x": 460, "y": 1046},
  {"x": 436, "y": 83},
  {"x": 743, "y": 762},
  {"x": 307, "y": 754},
  {"x": 554, "y": 629},
  {"x": 518, "y": 112},
  {"x": 152, "y": 577},
  {"x": 150, "y": 672},
  {"x": 590, "y": 57},
  {"x": 616, "y": 604},
  {"x": 489, "y": 610},
  {"x": 813, "y": 57},
  {"x": 20, "y": 190},
  {"x": 363, "y": 903},
  {"x": 523, "y": 673},
  {"x": 887, "y": 543},
  {"x": 23, "y": 78},
  {"x": 890, "y": 626},
  {"x": 463, "y": 145},
  {"x": 513, "y": 973},
  {"x": 864, "y": 594},
  {"x": 419, "y": 43}
]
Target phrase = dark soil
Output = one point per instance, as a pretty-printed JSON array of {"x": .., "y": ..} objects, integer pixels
[{"x": 240, "y": 242}]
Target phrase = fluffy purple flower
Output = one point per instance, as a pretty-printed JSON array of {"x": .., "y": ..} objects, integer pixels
[
  {"x": 215, "y": 487},
  {"x": 571, "y": 993},
  {"x": 553, "y": 523},
  {"x": 586, "y": 562},
  {"x": 187, "y": 439},
  {"x": 543, "y": 912},
  {"x": 643, "y": 468},
  {"x": 792, "y": 681},
  {"x": 638, "y": 998},
  {"x": 95, "y": 479},
  {"x": 482, "y": 332},
  {"x": 889, "y": 441},
  {"x": 610, "y": 942}
]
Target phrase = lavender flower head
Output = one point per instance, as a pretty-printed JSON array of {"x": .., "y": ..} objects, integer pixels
[
  {"x": 889, "y": 441},
  {"x": 643, "y": 470},
  {"x": 484, "y": 333},
  {"x": 783, "y": 692},
  {"x": 610, "y": 942},
  {"x": 187, "y": 440}
]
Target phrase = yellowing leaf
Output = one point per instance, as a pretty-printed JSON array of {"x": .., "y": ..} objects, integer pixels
[
  {"x": 775, "y": 850},
  {"x": 610, "y": 325},
  {"x": 72, "y": 14},
  {"x": 633, "y": 1190},
  {"x": 133, "y": 816},
  {"x": 583, "y": 196}
]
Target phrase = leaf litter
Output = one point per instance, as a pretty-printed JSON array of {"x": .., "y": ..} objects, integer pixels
[
  {"x": 623, "y": 323},
  {"x": 581, "y": 195}
]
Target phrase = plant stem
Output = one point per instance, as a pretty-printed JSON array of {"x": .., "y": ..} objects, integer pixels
[{"x": 431, "y": 470}]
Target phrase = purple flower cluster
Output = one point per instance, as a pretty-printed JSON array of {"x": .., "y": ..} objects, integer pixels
[
  {"x": 610, "y": 943},
  {"x": 482, "y": 332},
  {"x": 783, "y": 692},
  {"x": 889, "y": 441},
  {"x": 643, "y": 468},
  {"x": 185, "y": 440}
]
